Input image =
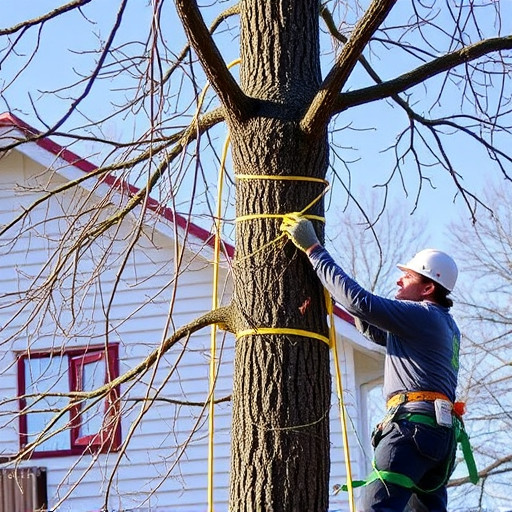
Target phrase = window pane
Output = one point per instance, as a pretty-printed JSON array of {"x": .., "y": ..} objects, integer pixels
[
  {"x": 84, "y": 425},
  {"x": 47, "y": 375},
  {"x": 93, "y": 377},
  {"x": 376, "y": 405}
]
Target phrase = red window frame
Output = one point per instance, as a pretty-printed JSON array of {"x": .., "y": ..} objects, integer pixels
[{"x": 108, "y": 437}]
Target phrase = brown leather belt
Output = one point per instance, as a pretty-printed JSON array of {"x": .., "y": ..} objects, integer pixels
[{"x": 415, "y": 396}]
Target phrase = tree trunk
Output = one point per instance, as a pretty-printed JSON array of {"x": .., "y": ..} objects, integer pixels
[{"x": 281, "y": 393}]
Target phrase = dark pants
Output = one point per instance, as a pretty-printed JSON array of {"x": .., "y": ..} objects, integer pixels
[{"x": 423, "y": 453}]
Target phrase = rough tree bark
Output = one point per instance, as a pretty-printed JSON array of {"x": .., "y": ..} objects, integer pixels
[{"x": 281, "y": 394}]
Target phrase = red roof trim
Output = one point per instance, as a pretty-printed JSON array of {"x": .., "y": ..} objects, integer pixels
[
  {"x": 341, "y": 313},
  {"x": 8, "y": 119}
]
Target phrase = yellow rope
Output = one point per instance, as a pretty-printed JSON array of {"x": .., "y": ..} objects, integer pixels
[
  {"x": 285, "y": 178},
  {"x": 213, "y": 338},
  {"x": 339, "y": 390},
  {"x": 280, "y": 178},
  {"x": 242, "y": 218},
  {"x": 331, "y": 341},
  {"x": 266, "y": 215}
]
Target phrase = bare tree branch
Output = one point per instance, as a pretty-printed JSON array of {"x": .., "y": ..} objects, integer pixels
[
  {"x": 104, "y": 54},
  {"x": 415, "y": 77},
  {"x": 174, "y": 401},
  {"x": 226, "y": 87},
  {"x": 76, "y": 4},
  {"x": 143, "y": 194},
  {"x": 182, "y": 139},
  {"x": 231, "y": 11},
  {"x": 221, "y": 316},
  {"x": 321, "y": 108},
  {"x": 497, "y": 467},
  {"x": 327, "y": 17}
]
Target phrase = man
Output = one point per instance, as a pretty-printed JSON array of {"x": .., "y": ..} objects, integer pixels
[{"x": 415, "y": 443}]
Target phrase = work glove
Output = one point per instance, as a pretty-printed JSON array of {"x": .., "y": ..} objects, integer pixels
[{"x": 300, "y": 230}]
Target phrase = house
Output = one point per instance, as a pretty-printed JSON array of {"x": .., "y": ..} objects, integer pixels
[{"x": 68, "y": 328}]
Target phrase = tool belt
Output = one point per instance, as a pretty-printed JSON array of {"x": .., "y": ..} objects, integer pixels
[{"x": 415, "y": 396}]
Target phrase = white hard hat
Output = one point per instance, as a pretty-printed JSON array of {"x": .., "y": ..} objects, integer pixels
[{"x": 435, "y": 265}]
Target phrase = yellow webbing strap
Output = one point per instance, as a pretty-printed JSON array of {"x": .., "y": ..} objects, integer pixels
[{"x": 283, "y": 330}]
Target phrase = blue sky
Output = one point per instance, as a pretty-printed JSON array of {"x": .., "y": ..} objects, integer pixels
[{"x": 372, "y": 128}]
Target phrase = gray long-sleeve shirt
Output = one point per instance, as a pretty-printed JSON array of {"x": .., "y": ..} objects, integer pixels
[{"x": 421, "y": 338}]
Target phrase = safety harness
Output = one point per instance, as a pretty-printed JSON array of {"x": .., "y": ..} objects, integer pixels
[{"x": 461, "y": 437}]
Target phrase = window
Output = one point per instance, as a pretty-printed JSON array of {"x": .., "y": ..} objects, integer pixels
[
  {"x": 373, "y": 410},
  {"x": 45, "y": 381}
]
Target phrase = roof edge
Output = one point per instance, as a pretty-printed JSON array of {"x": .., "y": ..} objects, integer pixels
[{"x": 8, "y": 119}]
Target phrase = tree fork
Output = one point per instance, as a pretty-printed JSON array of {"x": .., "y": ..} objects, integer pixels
[{"x": 281, "y": 384}]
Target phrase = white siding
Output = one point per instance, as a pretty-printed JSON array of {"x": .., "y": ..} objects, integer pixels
[{"x": 164, "y": 466}]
